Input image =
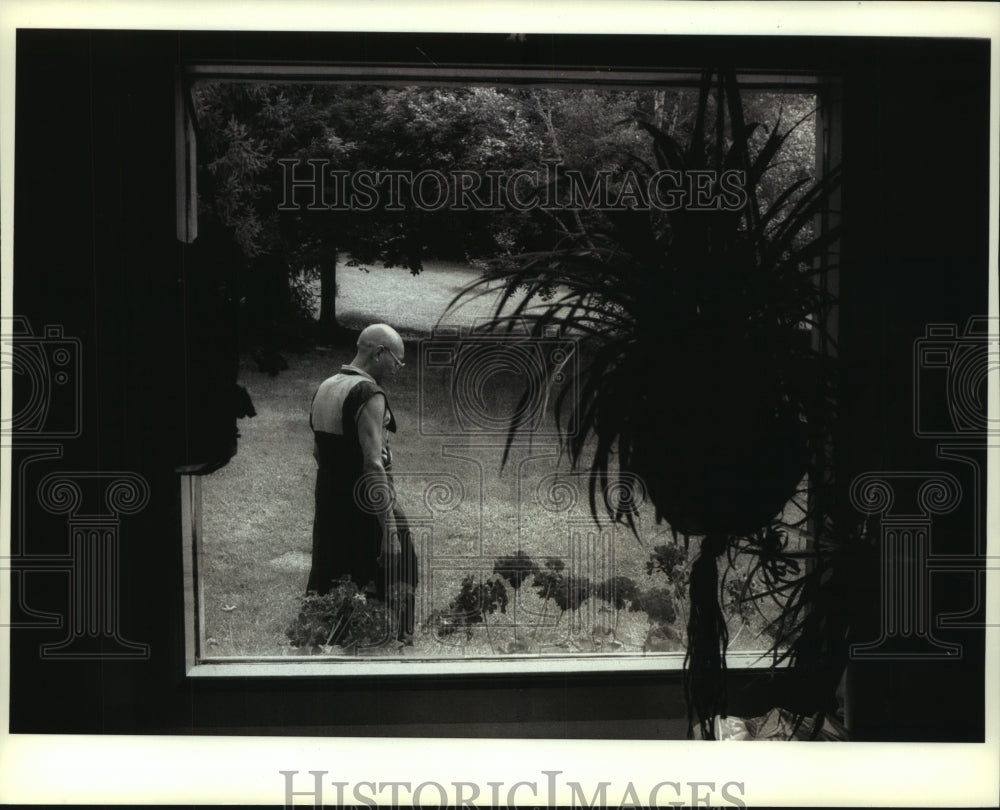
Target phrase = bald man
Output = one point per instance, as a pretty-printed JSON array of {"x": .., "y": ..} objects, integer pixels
[{"x": 358, "y": 528}]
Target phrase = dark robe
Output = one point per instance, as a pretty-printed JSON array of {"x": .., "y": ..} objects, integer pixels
[{"x": 347, "y": 538}]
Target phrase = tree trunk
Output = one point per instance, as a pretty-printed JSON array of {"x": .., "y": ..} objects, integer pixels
[{"x": 659, "y": 101}]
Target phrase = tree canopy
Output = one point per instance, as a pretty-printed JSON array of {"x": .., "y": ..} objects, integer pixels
[{"x": 250, "y": 133}]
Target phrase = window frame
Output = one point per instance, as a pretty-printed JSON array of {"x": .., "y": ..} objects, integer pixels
[{"x": 828, "y": 87}]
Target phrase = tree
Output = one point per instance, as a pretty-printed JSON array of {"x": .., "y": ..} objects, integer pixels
[
  {"x": 244, "y": 128},
  {"x": 247, "y": 128}
]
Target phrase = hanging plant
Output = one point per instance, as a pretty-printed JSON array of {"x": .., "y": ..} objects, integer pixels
[{"x": 700, "y": 370}]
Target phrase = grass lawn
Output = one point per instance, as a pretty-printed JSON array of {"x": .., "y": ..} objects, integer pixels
[
  {"x": 412, "y": 304},
  {"x": 465, "y": 511},
  {"x": 258, "y": 519}
]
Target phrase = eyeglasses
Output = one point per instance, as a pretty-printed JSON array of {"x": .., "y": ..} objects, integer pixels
[{"x": 399, "y": 362}]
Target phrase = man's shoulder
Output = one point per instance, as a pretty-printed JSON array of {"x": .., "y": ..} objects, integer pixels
[
  {"x": 335, "y": 391},
  {"x": 346, "y": 380},
  {"x": 339, "y": 400},
  {"x": 362, "y": 391}
]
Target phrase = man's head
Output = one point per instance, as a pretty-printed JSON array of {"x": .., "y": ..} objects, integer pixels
[{"x": 380, "y": 352}]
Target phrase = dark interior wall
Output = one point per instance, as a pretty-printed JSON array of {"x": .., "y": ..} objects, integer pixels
[
  {"x": 95, "y": 251},
  {"x": 916, "y": 140}
]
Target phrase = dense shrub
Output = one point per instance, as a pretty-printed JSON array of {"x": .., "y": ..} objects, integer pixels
[{"x": 344, "y": 617}]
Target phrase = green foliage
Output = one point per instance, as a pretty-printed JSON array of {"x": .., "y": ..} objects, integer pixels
[
  {"x": 245, "y": 128},
  {"x": 249, "y": 127},
  {"x": 474, "y": 602},
  {"x": 345, "y": 617},
  {"x": 567, "y": 590},
  {"x": 515, "y": 568},
  {"x": 670, "y": 560},
  {"x": 704, "y": 369},
  {"x": 663, "y": 638},
  {"x": 620, "y": 592},
  {"x": 736, "y": 596},
  {"x": 665, "y": 607},
  {"x": 658, "y": 603},
  {"x": 698, "y": 373}
]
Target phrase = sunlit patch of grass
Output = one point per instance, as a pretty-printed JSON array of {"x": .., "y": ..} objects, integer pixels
[{"x": 410, "y": 303}]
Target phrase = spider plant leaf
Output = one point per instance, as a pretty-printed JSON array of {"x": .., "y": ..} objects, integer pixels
[
  {"x": 757, "y": 167},
  {"x": 696, "y": 147},
  {"x": 810, "y": 204},
  {"x": 668, "y": 153},
  {"x": 814, "y": 248},
  {"x": 740, "y": 130},
  {"x": 720, "y": 125},
  {"x": 779, "y": 203},
  {"x": 737, "y": 158}
]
